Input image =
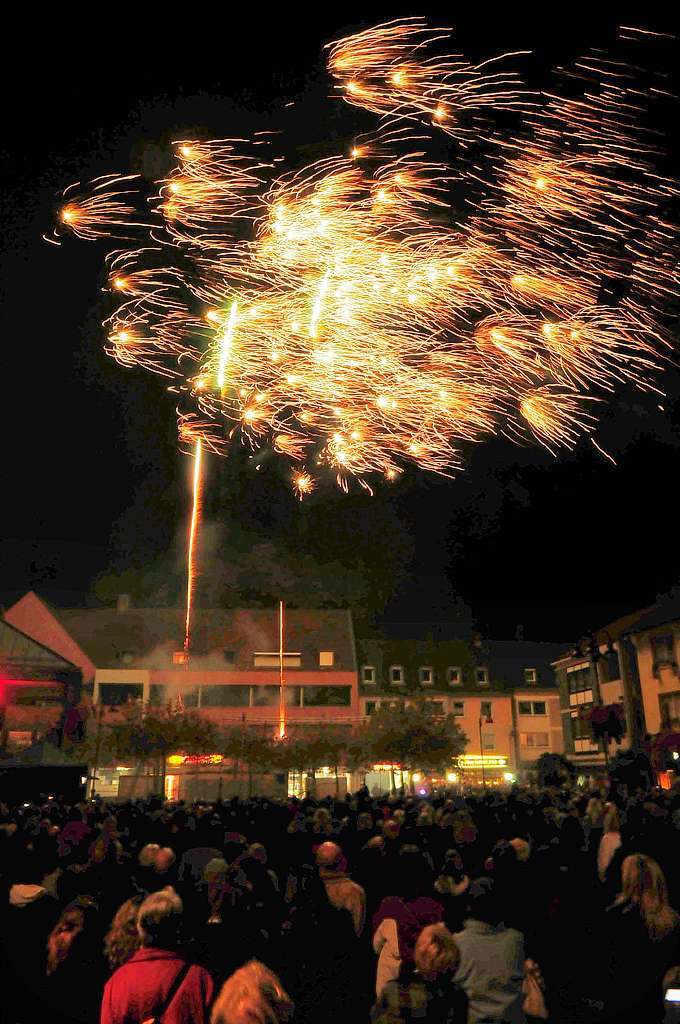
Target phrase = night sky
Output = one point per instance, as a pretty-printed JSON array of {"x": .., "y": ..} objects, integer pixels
[{"x": 91, "y": 475}]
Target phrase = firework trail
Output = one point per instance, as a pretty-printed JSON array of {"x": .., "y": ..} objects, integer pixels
[{"x": 341, "y": 316}]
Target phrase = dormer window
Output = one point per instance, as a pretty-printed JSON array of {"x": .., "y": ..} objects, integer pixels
[
  {"x": 482, "y": 676},
  {"x": 530, "y": 675},
  {"x": 368, "y": 675},
  {"x": 272, "y": 659},
  {"x": 426, "y": 675},
  {"x": 180, "y": 658},
  {"x": 455, "y": 674},
  {"x": 326, "y": 659},
  {"x": 397, "y": 675}
]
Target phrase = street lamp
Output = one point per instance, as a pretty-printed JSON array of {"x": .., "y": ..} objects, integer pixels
[{"x": 488, "y": 720}]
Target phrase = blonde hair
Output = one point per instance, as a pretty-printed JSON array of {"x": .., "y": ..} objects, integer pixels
[
  {"x": 522, "y": 848},
  {"x": 671, "y": 979},
  {"x": 322, "y": 820},
  {"x": 159, "y": 917},
  {"x": 147, "y": 855},
  {"x": 122, "y": 938},
  {"x": 612, "y": 819},
  {"x": 644, "y": 885},
  {"x": 595, "y": 811},
  {"x": 436, "y": 951},
  {"x": 252, "y": 995}
]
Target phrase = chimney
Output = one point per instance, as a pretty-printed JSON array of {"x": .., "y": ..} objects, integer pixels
[{"x": 123, "y": 603}]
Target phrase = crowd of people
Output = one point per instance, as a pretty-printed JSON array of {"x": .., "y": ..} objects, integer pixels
[{"x": 481, "y": 908}]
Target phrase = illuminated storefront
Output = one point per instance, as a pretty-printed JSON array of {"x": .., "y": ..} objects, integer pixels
[{"x": 485, "y": 769}]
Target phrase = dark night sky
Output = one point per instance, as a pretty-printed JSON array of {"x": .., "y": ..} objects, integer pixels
[{"x": 89, "y": 452}]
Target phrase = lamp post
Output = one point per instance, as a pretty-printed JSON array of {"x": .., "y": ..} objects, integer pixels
[{"x": 488, "y": 720}]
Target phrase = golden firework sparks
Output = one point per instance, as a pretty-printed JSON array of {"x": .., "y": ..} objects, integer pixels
[{"x": 338, "y": 315}]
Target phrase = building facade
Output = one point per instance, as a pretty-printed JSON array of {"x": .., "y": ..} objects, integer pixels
[
  {"x": 502, "y": 694},
  {"x": 37, "y": 686},
  {"x": 631, "y": 663},
  {"x": 232, "y": 675}
]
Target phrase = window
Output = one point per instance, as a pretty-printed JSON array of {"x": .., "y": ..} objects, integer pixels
[
  {"x": 397, "y": 675},
  {"x": 580, "y": 683},
  {"x": 532, "y": 707},
  {"x": 610, "y": 666},
  {"x": 582, "y": 735},
  {"x": 485, "y": 709},
  {"x": 191, "y": 696},
  {"x": 426, "y": 676},
  {"x": 371, "y": 705},
  {"x": 157, "y": 694},
  {"x": 19, "y": 738},
  {"x": 326, "y": 696},
  {"x": 458, "y": 708},
  {"x": 114, "y": 694},
  {"x": 326, "y": 659},
  {"x": 33, "y": 696},
  {"x": 224, "y": 696},
  {"x": 530, "y": 675},
  {"x": 669, "y": 705},
  {"x": 662, "y": 651},
  {"x": 582, "y": 697},
  {"x": 436, "y": 706},
  {"x": 455, "y": 675},
  {"x": 482, "y": 676},
  {"x": 585, "y": 746},
  {"x": 269, "y": 696},
  {"x": 368, "y": 674},
  {"x": 534, "y": 739},
  {"x": 488, "y": 740},
  {"x": 229, "y": 658},
  {"x": 180, "y": 658},
  {"x": 270, "y": 659}
]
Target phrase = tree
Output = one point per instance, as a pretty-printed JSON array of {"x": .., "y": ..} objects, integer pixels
[
  {"x": 415, "y": 736},
  {"x": 245, "y": 745},
  {"x": 146, "y": 734},
  {"x": 554, "y": 770},
  {"x": 328, "y": 745},
  {"x": 292, "y": 753}
]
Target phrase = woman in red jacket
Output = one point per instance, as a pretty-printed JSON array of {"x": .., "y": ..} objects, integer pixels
[{"x": 139, "y": 990}]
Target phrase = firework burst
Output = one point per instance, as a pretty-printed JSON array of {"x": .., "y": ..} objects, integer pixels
[{"x": 341, "y": 317}]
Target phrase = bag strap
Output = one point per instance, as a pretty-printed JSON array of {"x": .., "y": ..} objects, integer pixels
[{"x": 172, "y": 991}]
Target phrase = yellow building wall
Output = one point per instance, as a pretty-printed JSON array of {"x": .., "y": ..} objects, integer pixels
[
  {"x": 500, "y": 731},
  {"x": 653, "y": 686},
  {"x": 550, "y": 723},
  {"x": 611, "y": 692}
]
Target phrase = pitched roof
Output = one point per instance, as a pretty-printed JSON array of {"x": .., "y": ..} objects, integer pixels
[
  {"x": 508, "y": 659},
  {"x": 37, "y": 619},
  {"x": 505, "y": 659},
  {"x": 23, "y": 657},
  {"x": 619, "y": 627},
  {"x": 147, "y": 637},
  {"x": 633, "y": 622},
  {"x": 667, "y": 611}
]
